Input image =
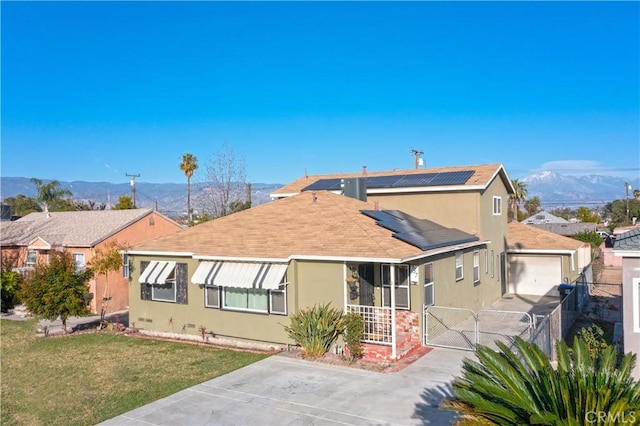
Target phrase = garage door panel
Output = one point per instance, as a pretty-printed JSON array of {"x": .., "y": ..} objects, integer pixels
[{"x": 535, "y": 275}]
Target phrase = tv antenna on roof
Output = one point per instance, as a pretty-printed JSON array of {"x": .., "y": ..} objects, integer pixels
[{"x": 417, "y": 160}]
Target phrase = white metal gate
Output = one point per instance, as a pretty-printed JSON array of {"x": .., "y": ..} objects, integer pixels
[{"x": 464, "y": 329}]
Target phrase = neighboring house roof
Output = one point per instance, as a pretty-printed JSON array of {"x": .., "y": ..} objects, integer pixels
[
  {"x": 543, "y": 217},
  {"x": 529, "y": 238},
  {"x": 309, "y": 225},
  {"x": 69, "y": 229},
  {"x": 628, "y": 243},
  {"x": 478, "y": 177},
  {"x": 567, "y": 229}
]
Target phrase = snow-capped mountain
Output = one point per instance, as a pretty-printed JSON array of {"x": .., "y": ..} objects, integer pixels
[{"x": 555, "y": 189}]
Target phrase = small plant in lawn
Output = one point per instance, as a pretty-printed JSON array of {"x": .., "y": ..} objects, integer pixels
[
  {"x": 353, "y": 330},
  {"x": 315, "y": 329}
]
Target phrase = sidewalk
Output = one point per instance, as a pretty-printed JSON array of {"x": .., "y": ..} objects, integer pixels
[{"x": 19, "y": 313}]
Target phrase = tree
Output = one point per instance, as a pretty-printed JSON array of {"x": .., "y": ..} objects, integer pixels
[
  {"x": 564, "y": 212},
  {"x": 22, "y": 205},
  {"x": 89, "y": 205},
  {"x": 584, "y": 214},
  {"x": 225, "y": 181},
  {"x": 188, "y": 165},
  {"x": 124, "y": 203},
  {"x": 617, "y": 211},
  {"x": 532, "y": 205},
  {"x": 519, "y": 195},
  {"x": 521, "y": 387},
  {"x": 57, "y": 289},
  {"x": 104, "y": 261},
  {"x": 49, "y": 194}
]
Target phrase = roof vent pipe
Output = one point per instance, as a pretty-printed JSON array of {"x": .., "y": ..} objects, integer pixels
[{"x": 364, "y": 170}]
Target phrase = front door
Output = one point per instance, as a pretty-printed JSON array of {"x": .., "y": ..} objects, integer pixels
[{"x": 365, "y": 272}]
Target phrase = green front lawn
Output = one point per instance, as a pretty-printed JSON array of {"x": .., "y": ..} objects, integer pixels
[{"x": 88, "y": 378}]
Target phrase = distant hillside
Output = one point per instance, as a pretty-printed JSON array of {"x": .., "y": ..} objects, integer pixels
[
  {"x": 553, "y": 189},
  {"x": 170, "y": 198}
]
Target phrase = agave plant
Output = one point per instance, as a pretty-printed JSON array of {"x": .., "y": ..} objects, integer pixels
[
  {"x": 522, "y": 387},
  {"x": 315, "y": 329}
]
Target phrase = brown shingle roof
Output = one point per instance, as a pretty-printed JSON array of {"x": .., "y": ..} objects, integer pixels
[
  {"x": 526, "y": 237},
  {"x": 69, "y": 229},
  {"x": 482, "y": 176},
  {"x": 332, "y": 226}
]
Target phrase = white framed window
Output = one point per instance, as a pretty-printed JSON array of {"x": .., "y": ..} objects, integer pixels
[
  {"x": 497, "y": 206},
  {"x": 164, "y": 292},
  {"x": 245, "y": 299},
  {"x": 493, "y": 265},
  {"x": 278, "y": 300},
  {"x": 636, "y": 304},
  {"x": 402, "y": 293},
  {"x": 78, "y": 259},
  {"x": 459, "y": 266},
  {"x": 486, "y": 261},
  {"x": 476, "y": 266},
  {"x": 32, "y": 258},
  {"x": 125, "y": 265},
  {"x": 212, "y": 296},
  {"x": 429, "y": 294}
]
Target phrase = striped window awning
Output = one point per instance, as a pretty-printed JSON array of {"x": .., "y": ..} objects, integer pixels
[
  {"x": 267, "y": 276},
  {"x": 157, "y": 272}
]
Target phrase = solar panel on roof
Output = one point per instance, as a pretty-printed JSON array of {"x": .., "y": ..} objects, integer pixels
[
  {"x": 399, "y": 181},
  {"x": 324, "y": 185},
  {"x": 420, "y": 233}
]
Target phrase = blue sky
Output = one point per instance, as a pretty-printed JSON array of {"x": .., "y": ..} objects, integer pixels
[{"x": 94, "y": 90}]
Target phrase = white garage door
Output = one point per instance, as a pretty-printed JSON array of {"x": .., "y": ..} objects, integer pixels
[{"x": 539, "y": 275}]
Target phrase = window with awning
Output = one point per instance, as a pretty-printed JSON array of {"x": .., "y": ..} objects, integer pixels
[
  {"x": 157, "y": 272},
  {"x": 252, "y": 275},
  {"x": 244, "y": 286}
]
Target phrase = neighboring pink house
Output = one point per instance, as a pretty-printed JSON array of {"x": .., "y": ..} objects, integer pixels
[{"x": 30, "y": 239}]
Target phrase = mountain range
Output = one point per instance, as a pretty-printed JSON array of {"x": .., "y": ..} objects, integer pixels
[{"x": 553, "y": 189}]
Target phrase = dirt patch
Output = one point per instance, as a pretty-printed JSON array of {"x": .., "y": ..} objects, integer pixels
[{"x": 380, "y": 366}]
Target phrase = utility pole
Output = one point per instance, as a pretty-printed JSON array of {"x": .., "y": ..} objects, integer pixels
[
  {"x": 626, "y": 188},
  {"x": 416, "y": 158},
  {"x": 133, "y": 187}
]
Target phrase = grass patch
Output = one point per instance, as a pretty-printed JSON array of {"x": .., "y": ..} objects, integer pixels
[{"x": 88, "y": 378}]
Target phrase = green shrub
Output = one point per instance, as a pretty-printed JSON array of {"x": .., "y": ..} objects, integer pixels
[
  {"x": 315, "y": 329},
  {"x": 593, "y": 337},
  {"x": 9, "y": 285},
  {"x": 353, "y": 331}
]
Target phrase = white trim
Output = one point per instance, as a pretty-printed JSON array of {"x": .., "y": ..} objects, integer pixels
[
  {"x": 161, "y": 253},
  {"x": 635, "y": 308},
  {"x": 446, "y": 250},
  {"x": 626, "y": 253},
  {"x": 540, "y": 251}
]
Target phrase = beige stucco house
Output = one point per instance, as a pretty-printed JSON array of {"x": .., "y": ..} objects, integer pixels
[
  {"x": 539, "y": 261},
  {"x": 240, "y": 277},
  {"x": 30, "y": 239},
  {"x": 627, "y": 246}
]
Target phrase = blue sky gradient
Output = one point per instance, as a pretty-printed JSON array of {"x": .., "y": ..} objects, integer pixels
[{"x": 94, "y": 90}]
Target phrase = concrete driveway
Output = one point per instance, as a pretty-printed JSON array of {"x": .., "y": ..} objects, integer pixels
[{"x": 281, "y": 390}]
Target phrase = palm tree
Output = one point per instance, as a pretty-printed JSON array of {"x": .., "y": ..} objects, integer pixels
[
  {"x": 49, "y": 193},
  {"x": 519, "y": 196},
  {"x": 520, "y": 386},
  {"x": 189, "y": 165}
]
